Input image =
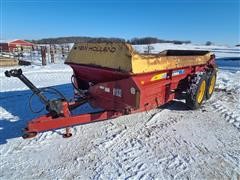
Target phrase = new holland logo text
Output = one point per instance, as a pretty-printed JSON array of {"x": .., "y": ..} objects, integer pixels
[{"x": 97, "y": 48}]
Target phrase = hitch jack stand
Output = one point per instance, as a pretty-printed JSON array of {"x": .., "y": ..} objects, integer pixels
[{"x": 68, "y": 133}]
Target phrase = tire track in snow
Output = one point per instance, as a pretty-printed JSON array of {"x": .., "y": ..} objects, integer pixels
[
  {"x": 227, "y": 113},
  {"x": 126, "y": 154},
  {"x": 225, "y": 106}
]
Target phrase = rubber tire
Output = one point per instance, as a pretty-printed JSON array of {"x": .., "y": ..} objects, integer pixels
[
  {"x": 213, "y": 73},
  {"x": 193, "y": 90}
]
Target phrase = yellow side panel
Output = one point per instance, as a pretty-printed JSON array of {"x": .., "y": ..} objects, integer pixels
[
  {"x": 122, "y": 57},
  {"x": 148, "y": 63},
  {"x": 111, "y": 55}
]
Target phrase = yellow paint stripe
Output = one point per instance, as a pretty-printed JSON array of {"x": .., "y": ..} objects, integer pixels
[{"x": 158, "y": 76}]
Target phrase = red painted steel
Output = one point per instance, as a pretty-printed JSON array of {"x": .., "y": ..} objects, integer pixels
[
  {"x": 96, "y": 74},
  {"x": 120, "y": 93},
  {"x": 47, "y": 122}
]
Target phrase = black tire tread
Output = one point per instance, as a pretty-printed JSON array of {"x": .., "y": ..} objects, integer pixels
[
  {"x": 191, "y": 93},
  {"x": 209, "y": 77}
]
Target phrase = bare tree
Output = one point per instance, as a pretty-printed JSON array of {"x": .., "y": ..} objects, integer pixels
[{"x": 149, "y": 48}]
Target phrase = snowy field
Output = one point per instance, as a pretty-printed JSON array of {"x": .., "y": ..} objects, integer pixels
[{"x": 171, "y": 142}]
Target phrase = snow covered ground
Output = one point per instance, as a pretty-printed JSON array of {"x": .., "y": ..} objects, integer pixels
[
  {"x": 170, "y": 142},
  {"x": 220, "y": 51}
]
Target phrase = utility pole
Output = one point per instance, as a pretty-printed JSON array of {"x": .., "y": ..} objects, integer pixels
[
  {"x": 52, "y": 54},
  {"x": 43, "y": 53}
]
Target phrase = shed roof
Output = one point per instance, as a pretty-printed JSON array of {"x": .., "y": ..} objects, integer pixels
[{"x": 21, "y": 42}]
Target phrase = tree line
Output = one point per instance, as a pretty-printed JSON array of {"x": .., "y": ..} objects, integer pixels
[{"x": 134, "y": 41}]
